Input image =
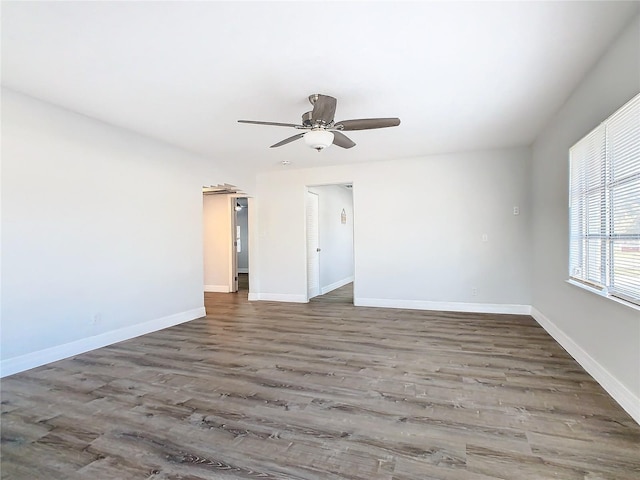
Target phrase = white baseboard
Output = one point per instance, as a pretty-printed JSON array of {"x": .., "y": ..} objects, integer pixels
[
  {"x": 243, "y": 270},
  {"x": 217, "y": 288},
  {"x": 59, "y": 352},
  {"x": 334, "y": 285},
  {"x": 278, "y": 297},
  {"x": 444, "y": 306},
  {"x": 621, "y": 394}
]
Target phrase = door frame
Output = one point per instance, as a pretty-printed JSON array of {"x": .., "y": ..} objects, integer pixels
[
  {"x": 351, "y": 186},
  {"x": 233, "y": 280}
]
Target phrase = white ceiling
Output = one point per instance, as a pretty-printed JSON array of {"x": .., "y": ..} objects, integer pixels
[{"x": 461, "y": 76}]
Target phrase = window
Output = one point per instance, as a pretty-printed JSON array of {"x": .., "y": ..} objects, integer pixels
[{"x": 604, "y": 206}]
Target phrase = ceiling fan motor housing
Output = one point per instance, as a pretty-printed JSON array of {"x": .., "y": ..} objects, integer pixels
[{"x": 307, "y": 119}]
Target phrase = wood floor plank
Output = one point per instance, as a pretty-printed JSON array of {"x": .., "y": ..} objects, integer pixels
[{"x": 323, "y": 390}]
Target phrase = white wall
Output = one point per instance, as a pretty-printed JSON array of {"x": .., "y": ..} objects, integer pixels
[
  {"x": 603, "y": 335},
  {"x": 443, "y": 203},
  {"x": 335, "y": 238},
  {"x": 101, "y": 233},
  {"x": 217, "y": 235}
]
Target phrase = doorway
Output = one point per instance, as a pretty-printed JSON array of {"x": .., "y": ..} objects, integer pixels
[
  {"x": 241, "y": 245},
  {"x": 330, "y": 245},
  {"x": 225, "y": 240}
]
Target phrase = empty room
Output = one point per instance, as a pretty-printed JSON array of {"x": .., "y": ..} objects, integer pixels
[{"x": 320, "y": 240}]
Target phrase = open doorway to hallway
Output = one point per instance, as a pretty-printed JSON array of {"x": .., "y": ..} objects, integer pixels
[
  {"x": 330, "y": 246},
  {"x": 225, "y": 240},
  {"x": 242, "y": 243}
]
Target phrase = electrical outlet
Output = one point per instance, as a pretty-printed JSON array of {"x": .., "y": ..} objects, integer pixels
[
  {"x": 96, "y": 318},
  {"x": 474, "y": 291},
  {"x": 485, "y": 237},
  {"x": 516, "y": 210}
]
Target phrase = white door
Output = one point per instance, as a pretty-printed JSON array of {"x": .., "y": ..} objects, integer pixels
[{"x": 313, "y": 247}]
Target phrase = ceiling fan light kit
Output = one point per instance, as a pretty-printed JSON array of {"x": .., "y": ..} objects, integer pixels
[
  {"x": 318, "y": 139},
  {"x": 322, "y": 129}
]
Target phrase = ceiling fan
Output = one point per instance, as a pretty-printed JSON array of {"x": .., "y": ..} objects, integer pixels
[{"x": 322, "y": 130}]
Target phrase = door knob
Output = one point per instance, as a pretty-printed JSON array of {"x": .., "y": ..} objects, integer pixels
[{"x": 318, "y": 249}]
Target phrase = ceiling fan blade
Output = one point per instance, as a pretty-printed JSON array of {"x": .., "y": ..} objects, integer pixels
[
  {"x": 277, "y": 124},
  {"x": 367, "y": 123},
  {"x": 341, "y": 140},
  {"x": 324, "y": 108},
  {"x": 287, "y": 140}
]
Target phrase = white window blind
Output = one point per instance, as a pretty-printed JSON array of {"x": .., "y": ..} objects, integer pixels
[{"x": 604, "y": 206}]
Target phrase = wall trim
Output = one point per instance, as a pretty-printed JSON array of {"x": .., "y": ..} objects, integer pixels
[
  {"x": 334, "y": 285},
  {"x": 217, "y": 288},
  {"x": 60, "y": 352},
  {"x": 278, "y": 297},
  {"x": 444, "y": 306},
  {"x": 620, "y": 393}
]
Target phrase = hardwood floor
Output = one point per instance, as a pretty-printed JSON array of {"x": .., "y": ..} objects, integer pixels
[
  {"x": 323, "y": 390},
  {"x": 243, "y": 282}
]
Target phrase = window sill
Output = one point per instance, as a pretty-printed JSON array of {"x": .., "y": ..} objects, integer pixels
[{"x": 603, "y": 294}]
